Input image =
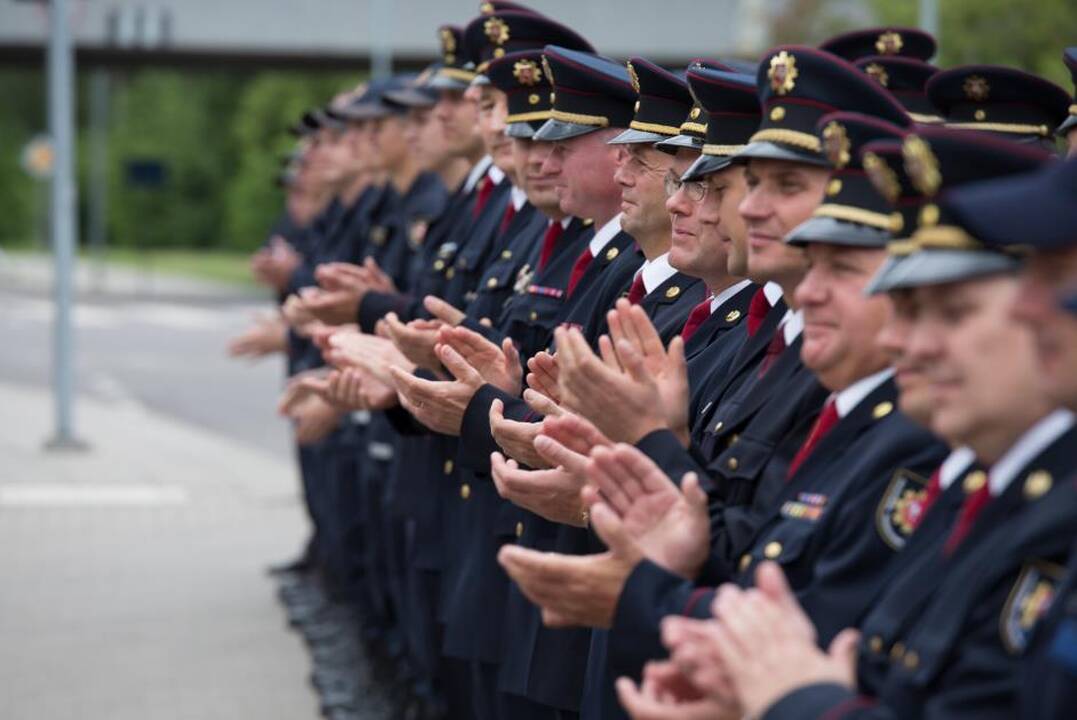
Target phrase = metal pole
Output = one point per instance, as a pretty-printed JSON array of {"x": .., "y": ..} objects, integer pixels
[
  {"x": 61, "y": 121},
  {"x": 379, "y": 25},
  {"x": 929, "y": 16},
  {"x": 99, "y": 106}
]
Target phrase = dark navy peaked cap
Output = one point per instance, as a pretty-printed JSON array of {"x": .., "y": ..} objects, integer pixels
[
  {"x": 998, "y": 99},
  {"x": 731, "y": 109},
  {"x": 906, "y": 79},
  {"x": 893, "y": 41},
  {"x": 494, "y": 35},
  {"x": 693, "y": 130},
  {"x": 527, "y": 90},
  {"x": 662, "y": 104},
  {"x": 1037, "y": 210},
  {"x": 1069, "y": 56},
  {"x": 940, "y": 247},
  {"x": 591, "y": 92},
  {"x": 797, "y": 86},
  {"x": 456, "y": 71},
  {"x": 853, "y": 211}
]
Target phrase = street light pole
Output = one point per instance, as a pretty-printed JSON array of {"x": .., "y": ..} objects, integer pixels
[
  {"x": 61, "y": 92},
  {"x": 929, "y": 16}
]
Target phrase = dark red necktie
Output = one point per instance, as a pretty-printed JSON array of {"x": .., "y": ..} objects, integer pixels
[
  {"x": 579, "y": 269},
  {"x": 638, "y": 291},
  {"x": 757, "y": 311},
  {"x": 774, "y": 349},
  {"x": 970, "y": 509},
  {"x": 485, "y": 190},
  {"x": 506, "y": 219},
  {"x": 697, "y": 317},
  {"x": 931, "y": 494},
  {"x": 826, "y": 421},
  {"x": 549, "y": 242}
]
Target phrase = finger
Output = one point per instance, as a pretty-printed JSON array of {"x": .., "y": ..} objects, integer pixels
[
  {"x": 604, "y": 471},
  {"x": 512, "y": 356},
  {"x": 771, "y": 580},
  {"x": 633, "y": 362},
  {"x": 845, "y": 646},
  {"x": 457, "y": 366},
  {"x": 558, "y": 455},
  {"x": 608, "y": 354},
  {"x": 611, "y": 530},
  {"x": 648, "y": 339},
  {"x": 541, "y": 404},
  {"x": 442, "y": 310},
  {"x": 642, "y": 469}
]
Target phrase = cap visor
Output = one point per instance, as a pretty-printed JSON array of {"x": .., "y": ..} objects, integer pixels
[
  {"x": 672, "y": 144},
  {"x": 443, "y": 82},
  {"x": 938, "y": 267},
  {"x": 364, "y": 111},
  {"x": 705, "y": 165},
  {"x": 411, "y": 97},
  {"x": 832, "y": 231},
  {"x": 774, "y": 151},
  {"x": 633, "y": 137},
  {"x": 522, "y": 130},
  {"x": 554, "y": 130},
  {"x": 1069, "y": 124}
]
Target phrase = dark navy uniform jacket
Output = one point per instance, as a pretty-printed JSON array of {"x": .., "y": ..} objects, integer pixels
[
  {"x": 1048, "y": 681},
  {"x": 946, "y": 638},
  {"x": 820, "y": 526}
]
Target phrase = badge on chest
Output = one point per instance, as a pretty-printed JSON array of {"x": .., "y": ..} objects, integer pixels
[
  {"x": 1029, "y": 600},
  {"x": 901, "y": 507}
]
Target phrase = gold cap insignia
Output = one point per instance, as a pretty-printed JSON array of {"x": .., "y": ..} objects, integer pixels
[
  {"x": 889, "y": 43},
  {"x": 533, "y": 99},
  {"x": 486, "y": 9},
  {"x": 732, "y": 316},
  {"x": 672, "y": 291},
  {"x": 497, "y": 30},
  {"x": 448, "y": 45},
  {"x": 976, "y": 88},
  {"x": 833, "y": 187},
  {"x": 632, "y": 76},
  {"x": 782, "y": 73},
  {"x": 929, "y": 215},
  {"x": 612, "y": 253},
  {"x": 527, "y": 72},
  {"x": 694, "y": 114},
  {"x": 836, "y": 144},
  {"x": 878, "y": 73},
  {"x": 1037, "y": 484},
  {"x": 921, "y": 165},
  {"x": 882, "y": 177},
  {"x": 549, "y": 73}
]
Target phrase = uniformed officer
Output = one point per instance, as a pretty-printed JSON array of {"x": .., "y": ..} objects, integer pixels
[{"x": 906, "y": 79}]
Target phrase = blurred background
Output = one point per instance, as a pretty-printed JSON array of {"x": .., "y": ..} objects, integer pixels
[{"x": 132, "y": 561}]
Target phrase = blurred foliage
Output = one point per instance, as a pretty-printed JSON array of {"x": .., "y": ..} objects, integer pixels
[{"x": 220, "y": 136}]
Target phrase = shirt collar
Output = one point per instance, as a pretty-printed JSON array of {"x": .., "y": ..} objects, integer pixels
[
  {"x": 955, "y": 465},
  {"x": 791, "y": 325},
  {"x": 604, "y": 234},
  {"x": 519, "y": 197},
  {"x": 477, "y": 173},
  {"x": 655, "y": 272},
  {"x": 1035, "y": 440},
  {"x": 496, "y": 174},
  {"x": 847, "y": 399},
  {"x": 772, "y": 291},
  {"x": 721, "y": 297}
]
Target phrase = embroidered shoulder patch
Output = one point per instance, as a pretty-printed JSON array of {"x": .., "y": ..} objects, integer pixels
[
  {"x": 1029, "y": 600},
  {"x": 900, "y": 509}
]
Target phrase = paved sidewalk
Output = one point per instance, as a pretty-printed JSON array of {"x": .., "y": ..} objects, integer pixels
[{"x": 132, "y": 583}]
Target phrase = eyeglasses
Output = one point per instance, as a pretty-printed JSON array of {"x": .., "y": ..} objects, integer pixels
[{"x": 696, "y": 190}]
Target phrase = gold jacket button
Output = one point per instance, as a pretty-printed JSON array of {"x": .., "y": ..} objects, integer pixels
[
  {"x": 745, "y": 561},
  {"x": 732, "y": 463},
  {"x": 519, "y": 529},
  {"x": 772, "y": 550},
  {"x": 491, "y": 283},
  {"x": 447, "y": 467},
  {"x": 897, "y": 652},
  {"x": 533, "y": 316},
  {"x": 912, "y": 660},
  {"x": 465, "y": 491},
  {"x": 876, "y": 644},
  {"x": 506, "y": 254},
  {"x": 718, "y": 426}
]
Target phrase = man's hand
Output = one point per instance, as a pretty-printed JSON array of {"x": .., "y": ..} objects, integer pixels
[
  {"x": 443, "y": 311},
  {"x": 764, "y": 646},
  {"x": 295, "y": 313},
  {"x": 543, "y": 375},
  {"x": 575, "y": 590},
  {"x": 300, "y": 387},
  {"x": 517, "y": 439},
  {"x": 274, "y": 265},
  {"x": 499, "y": 366},
  {"x": 268, "y": 335},
  {"x": 314, "y": 419},
  {"x": 439, "y": 404},
  {"x": 553, "y": 494},
  {"x": 672, "y": 526},
  {"x": 665, "y": 694},
  {"x": 416, "y": 340},
  {"x": 332, "y": 307},
  {"x": 626, "y": 404},
  {"x": 693, "y": 649}
]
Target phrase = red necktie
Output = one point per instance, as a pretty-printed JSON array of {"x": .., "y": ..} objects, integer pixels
[
  {"x": 826, "y": 421},
  {"x": 506, "y": 219},
  {"x": 638, "y": 291},
  {"x": 757, "y": 311},
  {"x": 934, "y": 489},
  {"x": 579, "y": 269},
  {"x": 974, "y": 503},
  {"x": 549, "y": 242},
  {"x": 697, "y": 317},
  {"x": 774, "y": 349},
  {"x": 485, "y": 190}
]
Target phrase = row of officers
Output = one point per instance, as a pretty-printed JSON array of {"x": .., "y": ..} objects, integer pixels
[{"x": 742, "y": 390}]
